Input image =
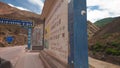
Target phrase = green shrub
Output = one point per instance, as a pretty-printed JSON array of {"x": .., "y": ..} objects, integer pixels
[
  {"x": 118, "y": 47},
  {"x": 94, "y": 52},
  {"x": 111, "y": 51},
  {"x": 115, "y": 44},
  {"x": 97, "y": 47},
  {"x": 106, "y": 36}
]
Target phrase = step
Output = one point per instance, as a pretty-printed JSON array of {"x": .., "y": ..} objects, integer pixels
[{"x": 51, "y": 61}]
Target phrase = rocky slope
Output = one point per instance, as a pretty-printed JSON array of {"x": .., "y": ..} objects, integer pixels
[
  {"x": 19, "y": 33},
  {"x": 105, "y": 44},
  {"x": 91, "y": 29},
  {"x": 7, "y": 11}
]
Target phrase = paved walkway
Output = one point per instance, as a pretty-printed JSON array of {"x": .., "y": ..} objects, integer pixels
[
  {"x": 11, "y": 53},
  {"x": 101, "y": 64},
  {"x": 29, "y": 60},
  {"x": 22, "y": 59}
]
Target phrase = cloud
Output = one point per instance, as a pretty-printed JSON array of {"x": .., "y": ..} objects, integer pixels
[
  {"x": 94, "y": 15},
  {"x": 106, "y": 9},
  {"x": 21, "y": 8},
  {"x": 38, "y": 3}
]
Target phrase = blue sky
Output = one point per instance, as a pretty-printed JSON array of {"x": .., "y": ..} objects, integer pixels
[
  {"x": 96, "y": 9},
  {"x": 99, "y": 9},
  {"x": 29, "y": 5},
  {"x": 93, "y": 7}
]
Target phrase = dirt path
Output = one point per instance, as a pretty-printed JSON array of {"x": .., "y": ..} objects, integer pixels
[{"x": 101, "y": 64}]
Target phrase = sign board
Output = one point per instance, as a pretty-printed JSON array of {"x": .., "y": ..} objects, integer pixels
[
  {"x": 9, "y": 39},
  {"x": 37, "y": 36},
  {"x": 56, "y": 31},
  {"x": 17, "y": 22}
]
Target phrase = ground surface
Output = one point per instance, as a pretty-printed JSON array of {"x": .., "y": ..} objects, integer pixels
[
  {"x": 29, "y": 60},
  {"x": 22, "y": 59},
  {"x": 11, "y": 53},
  {"x": 101, "y": 64}
]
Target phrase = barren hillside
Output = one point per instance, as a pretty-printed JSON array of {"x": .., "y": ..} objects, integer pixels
[{"x": 105, "y": 44}]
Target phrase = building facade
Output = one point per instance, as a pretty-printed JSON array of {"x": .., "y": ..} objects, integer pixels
[{"x": 56, "y": 39}]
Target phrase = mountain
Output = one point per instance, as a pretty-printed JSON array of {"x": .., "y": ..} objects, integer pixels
[
  {"x": 19, "y": 33},
  {"x": 91, "y": 29},
  {"x": 105, "y": 44},
  {"x": 7, "y": 11},
  {"x": 103, "y": 22}
]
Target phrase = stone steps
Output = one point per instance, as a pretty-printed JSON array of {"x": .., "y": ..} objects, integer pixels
[{"x": 50, "y": 61}]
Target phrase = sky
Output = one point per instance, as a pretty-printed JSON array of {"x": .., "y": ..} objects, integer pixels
[
  {"x": 96, "y": 9},
  {"x": 29, "y": 5},
  {"x": 99, "y": 9}
]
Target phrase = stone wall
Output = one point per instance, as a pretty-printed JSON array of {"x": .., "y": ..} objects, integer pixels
[
  {"x": 56, "y": 31},
  {"x": 37, "y": 36}
]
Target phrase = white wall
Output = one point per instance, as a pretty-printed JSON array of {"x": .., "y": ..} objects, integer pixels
[{"x": 56, "y": 26}]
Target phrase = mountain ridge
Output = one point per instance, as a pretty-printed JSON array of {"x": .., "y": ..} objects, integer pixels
[{"x": 102, "y": 22}]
